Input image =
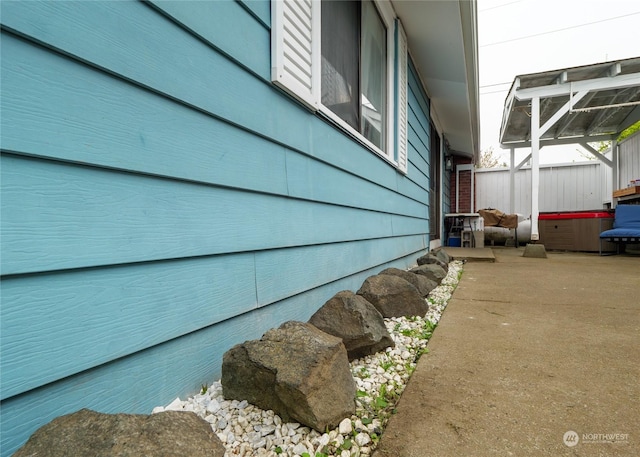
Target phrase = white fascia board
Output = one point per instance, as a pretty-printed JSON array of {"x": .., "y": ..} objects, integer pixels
[
  {"x": 558, "y": 141},
  {"x": 508, "y": 104},
  {"x": 469, "y": 22},
  {"x": 555, "y": 90},
  {"x": 433, "y": 117}
]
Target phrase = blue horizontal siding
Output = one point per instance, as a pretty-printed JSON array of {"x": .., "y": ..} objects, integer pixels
[
  {"x": 415, "y": 90},
  {"x": 327, "y": 262},
  {"x": 419, "y": 175},
  {"x": 133, "y": 384},
  {"x": 60, "y": 109},
  {"x": 60, "y": 216},
  {"x": 178, "y": 367},
  {"x": 157, "y": 54},
  {"x": 139, "y": 131},
  {"x": 226, "y": 26},
  {"x": 261, "y": 9},
  {"x": 156, "y": 188},
  {"x": 104, "y": 307},
  {"x": 313, "y": 180},
  {"x": 419, "y": 133}
]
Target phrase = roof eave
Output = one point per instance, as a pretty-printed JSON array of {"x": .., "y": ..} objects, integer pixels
[{"x": 443, "y": 42}]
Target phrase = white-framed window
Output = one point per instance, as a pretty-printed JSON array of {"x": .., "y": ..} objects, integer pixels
[{"x": 346, "y": 60}]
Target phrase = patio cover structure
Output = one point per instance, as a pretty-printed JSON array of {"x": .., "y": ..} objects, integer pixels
[{"x": 577, "y": 105}]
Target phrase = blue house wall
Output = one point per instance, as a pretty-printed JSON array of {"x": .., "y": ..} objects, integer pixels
[{"x": 163, "y": 201}]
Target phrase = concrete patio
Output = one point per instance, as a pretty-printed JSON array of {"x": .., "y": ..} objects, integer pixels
[{"x": 528, "y": 350}]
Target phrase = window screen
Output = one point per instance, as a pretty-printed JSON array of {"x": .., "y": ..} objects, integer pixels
[
  {"x": 354, "y": 56},
  {"x": 340, "y": 51},
  {"x": 374, "y": 56},
  {"x": 339, "y": 58}
]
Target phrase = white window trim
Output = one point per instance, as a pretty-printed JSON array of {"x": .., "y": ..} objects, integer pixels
[
  {"x": 389, "y": 18},
  {"x": 334, "y": 118},
  {"x": 310, "y": 96}
]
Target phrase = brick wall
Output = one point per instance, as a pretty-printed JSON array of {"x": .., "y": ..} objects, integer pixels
[{"x": 465, "y": 186}]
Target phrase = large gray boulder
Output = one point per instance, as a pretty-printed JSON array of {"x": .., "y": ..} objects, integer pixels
[
  {"x": 420, "y": 282},
  {"x": 89, "y": 433},
  {"x": 356, "y": 321},
  {"x": 442, "y": 254},
  {"x": 429, "y": 259},
  {"x": 393, "y": 296},
  {"x": 296, "y": 370},
  {"x": 432, "y": 271}
]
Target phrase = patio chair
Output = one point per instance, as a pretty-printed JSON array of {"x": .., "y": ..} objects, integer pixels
[{"x": 626, "y": 227}]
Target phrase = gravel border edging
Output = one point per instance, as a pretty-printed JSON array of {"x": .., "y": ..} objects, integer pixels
[{"x": 246, "y": 430}]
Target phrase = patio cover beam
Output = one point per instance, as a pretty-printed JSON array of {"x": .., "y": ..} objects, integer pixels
[
  {"x": 596, "y": 154},
  {"x": 564, "y": 109},
  {"x": 569, "y": 119},
  {"x": 556, "y": 90},
  {"x": 558, "y": 141},
  {"x": 523, "y": 162}
]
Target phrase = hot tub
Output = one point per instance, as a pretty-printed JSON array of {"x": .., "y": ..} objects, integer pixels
[{"x": 575, "y": 230}]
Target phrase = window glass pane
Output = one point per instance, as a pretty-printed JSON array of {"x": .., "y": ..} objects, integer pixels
[
  {"x": 340, "y": 49},
  {"x": 373, "y": 77}
]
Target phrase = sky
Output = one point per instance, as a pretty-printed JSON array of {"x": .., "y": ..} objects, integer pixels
[{"x": 518, "y": 37}]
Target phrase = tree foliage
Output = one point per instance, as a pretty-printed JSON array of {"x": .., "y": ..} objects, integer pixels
[
  {"x": 489, "y": 159},
  {"x": 629, "y": 131},
  {"x": 603, "y": 146}
]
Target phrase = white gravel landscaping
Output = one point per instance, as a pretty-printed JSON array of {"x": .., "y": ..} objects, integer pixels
[{"x": 247, "y": 430}]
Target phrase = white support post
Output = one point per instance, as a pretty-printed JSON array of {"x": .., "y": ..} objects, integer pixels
[
  {"x": 535, "y": 166},
  {"x": 512, "y": 181},
  {"x": 615, "y": 177}
]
